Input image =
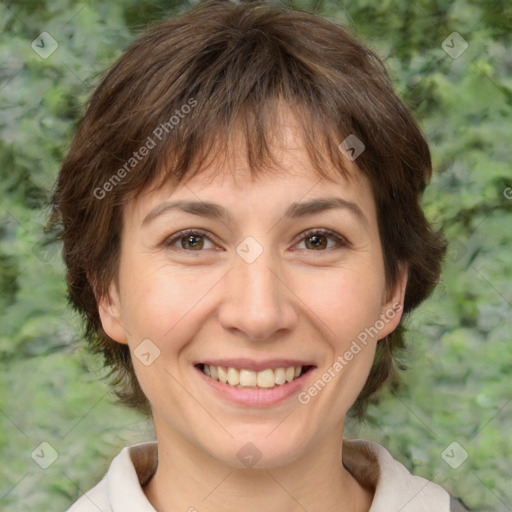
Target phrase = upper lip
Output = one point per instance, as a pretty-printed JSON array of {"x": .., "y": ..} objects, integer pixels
[{"x": 251, "y": 364}]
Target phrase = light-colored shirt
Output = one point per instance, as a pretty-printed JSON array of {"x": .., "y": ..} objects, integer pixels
[{"x": 396, "y": 489}]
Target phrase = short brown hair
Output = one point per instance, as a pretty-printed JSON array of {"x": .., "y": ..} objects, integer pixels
[{"x": 181, "y": 89}]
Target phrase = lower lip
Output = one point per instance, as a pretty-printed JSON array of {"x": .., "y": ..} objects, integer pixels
[{"x": 257, "y": 397}]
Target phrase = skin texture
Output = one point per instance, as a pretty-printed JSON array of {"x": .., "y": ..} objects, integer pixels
[{"x": 293, "y": 301}]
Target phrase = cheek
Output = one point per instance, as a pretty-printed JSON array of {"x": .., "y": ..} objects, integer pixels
[
  {"x": 159, "y": 306},
  {"x": 345, "y": 301},
  {"x": 345, "y": 309},
  {"x": 159, "y": 298},
  {"x": 345, "y": 305}
]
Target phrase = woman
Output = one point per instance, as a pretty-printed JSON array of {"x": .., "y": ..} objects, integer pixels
[{"x": 242, "y": 235}]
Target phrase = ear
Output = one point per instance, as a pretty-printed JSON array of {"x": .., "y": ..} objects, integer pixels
[
  {"x": 109, "y": 308},
  {"x": 393, "y": 304}
]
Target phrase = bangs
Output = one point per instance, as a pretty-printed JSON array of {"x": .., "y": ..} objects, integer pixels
[
  {"x": 255, "y": 135},
  {"x": 178, "y": 99}
]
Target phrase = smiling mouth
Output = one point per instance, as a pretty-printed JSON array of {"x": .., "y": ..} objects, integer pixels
[{"x": 242, "y": 378}]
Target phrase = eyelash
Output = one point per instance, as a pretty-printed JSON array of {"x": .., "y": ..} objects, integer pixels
[{"x": 339, "y": 240}]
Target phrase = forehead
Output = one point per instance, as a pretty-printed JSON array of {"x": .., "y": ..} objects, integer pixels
[{"x": 288, "y": 177}]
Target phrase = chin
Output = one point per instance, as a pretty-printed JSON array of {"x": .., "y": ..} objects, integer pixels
[{"x": 257, "y": 449}]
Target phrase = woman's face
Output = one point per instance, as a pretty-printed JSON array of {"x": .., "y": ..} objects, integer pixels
[{"x": 286, "y": 271}]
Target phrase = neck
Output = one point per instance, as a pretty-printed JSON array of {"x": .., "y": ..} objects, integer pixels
[{"x": 188, "y": 479}]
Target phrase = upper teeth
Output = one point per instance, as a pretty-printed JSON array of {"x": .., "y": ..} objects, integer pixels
[{"x": 249, "y": 378}]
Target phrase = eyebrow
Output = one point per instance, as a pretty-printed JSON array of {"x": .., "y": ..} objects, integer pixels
[{"x": 294, "y": 211}]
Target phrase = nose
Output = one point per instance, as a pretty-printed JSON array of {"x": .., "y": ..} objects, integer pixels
[{"x": 256, "y": 300}]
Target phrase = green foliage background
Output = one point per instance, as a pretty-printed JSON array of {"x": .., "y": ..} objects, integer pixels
[{"x": 458, "y": 387}]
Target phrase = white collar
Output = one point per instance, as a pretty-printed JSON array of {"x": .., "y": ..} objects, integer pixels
[{"x": 396, "y": 490}]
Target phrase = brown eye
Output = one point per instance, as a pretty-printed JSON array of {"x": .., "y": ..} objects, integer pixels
[
  {"x": 189, "y": 240},
  {"x": 322, "y": 239},
  {"x": 193, "y": 242},
  {"x": 316, "y": 242}
]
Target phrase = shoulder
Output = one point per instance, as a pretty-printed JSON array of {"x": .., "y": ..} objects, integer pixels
[
  {"x": 121, "y": 488},
  {"x": 396, "y": 489}
]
